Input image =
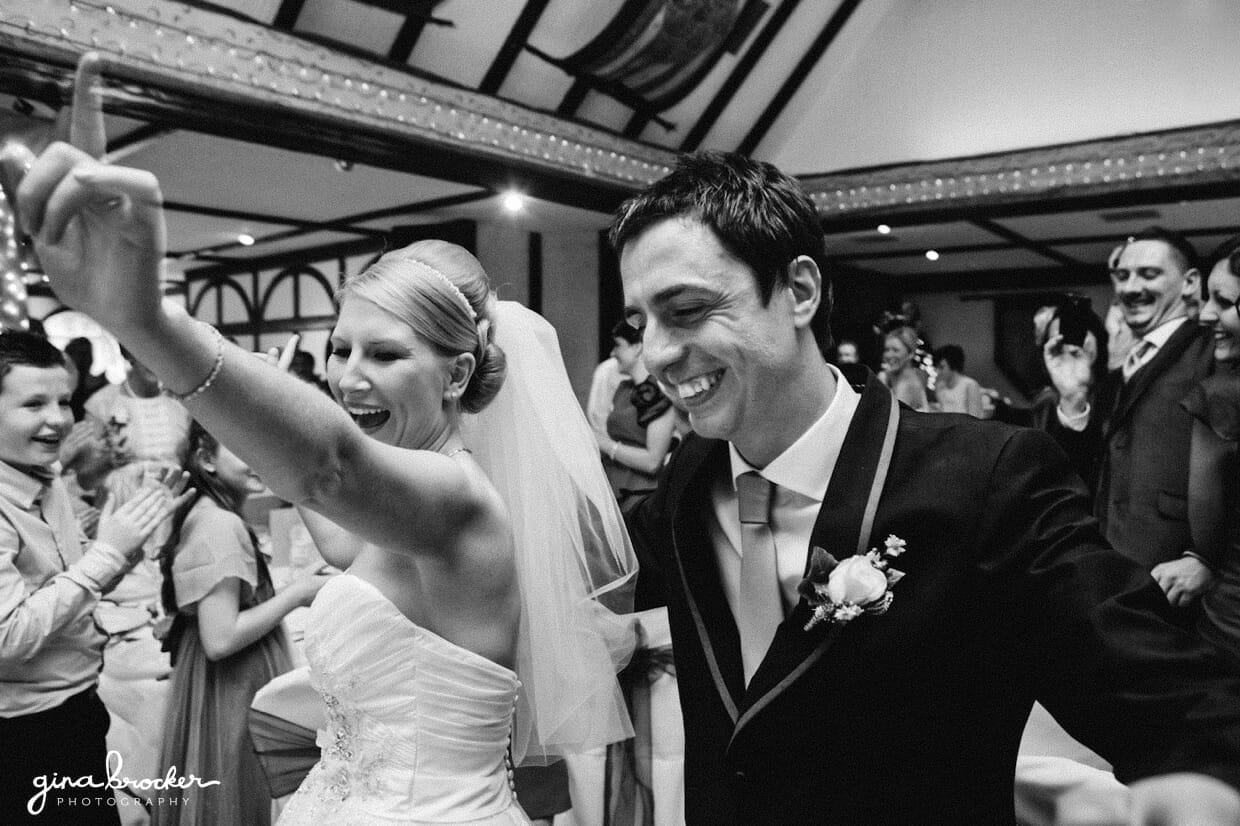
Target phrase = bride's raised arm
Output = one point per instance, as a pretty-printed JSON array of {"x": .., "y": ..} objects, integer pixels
[{"x": 99, "y": 233}]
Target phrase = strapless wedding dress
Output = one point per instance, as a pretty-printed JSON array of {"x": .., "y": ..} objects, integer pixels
[{"x": 417, "y": 729}]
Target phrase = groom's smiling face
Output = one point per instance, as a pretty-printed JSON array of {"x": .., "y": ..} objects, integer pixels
[{"x": 708, "y": 339}]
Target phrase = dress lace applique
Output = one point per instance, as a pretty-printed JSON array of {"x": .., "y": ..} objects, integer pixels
[
  {"x": 356, "y": 749},
  {"x": 415, "y": 728}
]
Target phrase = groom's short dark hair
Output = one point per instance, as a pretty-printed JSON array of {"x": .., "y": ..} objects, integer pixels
[{"x": 760, "y": 215}]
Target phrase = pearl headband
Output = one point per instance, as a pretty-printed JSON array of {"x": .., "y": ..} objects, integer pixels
[{"x": 452, "y": 288}]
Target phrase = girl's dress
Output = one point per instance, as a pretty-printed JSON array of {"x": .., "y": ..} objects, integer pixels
[
  {"x": 205, "y": 733},
  {"x": 1216, "y": 402}
]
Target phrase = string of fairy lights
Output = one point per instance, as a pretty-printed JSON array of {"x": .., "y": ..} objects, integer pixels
[{"x": 15, "y": 267}]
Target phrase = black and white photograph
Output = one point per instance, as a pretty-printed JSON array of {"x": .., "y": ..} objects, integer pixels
[{"x": 626, "y": 413}]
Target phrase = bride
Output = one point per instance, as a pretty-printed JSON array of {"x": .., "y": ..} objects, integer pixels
[{"x": 473, "y": 627}]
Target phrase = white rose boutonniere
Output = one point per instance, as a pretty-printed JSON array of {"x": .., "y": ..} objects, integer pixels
[{"x": 840, "y": 591}]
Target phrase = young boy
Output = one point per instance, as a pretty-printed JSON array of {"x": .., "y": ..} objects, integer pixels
[{"x": 52, "y": 724}]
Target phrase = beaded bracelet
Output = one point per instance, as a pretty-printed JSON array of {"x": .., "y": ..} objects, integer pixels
[{"x": 211, "y": 377}]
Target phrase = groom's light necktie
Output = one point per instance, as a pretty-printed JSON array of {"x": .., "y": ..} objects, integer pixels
[{"x": 761, "y": 608}]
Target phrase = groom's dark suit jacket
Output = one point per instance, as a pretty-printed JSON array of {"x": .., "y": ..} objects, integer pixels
[{"x": 915, "y": 716}]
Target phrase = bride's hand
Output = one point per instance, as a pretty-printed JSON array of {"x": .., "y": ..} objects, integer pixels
[{"x": 98, "y": 229}]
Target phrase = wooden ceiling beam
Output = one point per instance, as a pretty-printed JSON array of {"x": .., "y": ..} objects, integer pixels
[
  {"x": 384, "y": 115},
  {"x": 996, "y": 246},
  {"x": 573, "y": 99},
  {"x": 799, "y": 73},
  {"x": 240, "y": 215},
  {"x": 1060, "y": 202},
  {"x": 408, "y": 7},
  {"x": 407, "y": 37},
  {"x": 1020, "y": 241},
  {"x": 508, "y": 53},
  {"x": 738, "y": 75},
  {"x": 287, "y": 14},
  {"x": 348, "y": 223},
  {"x": 141, "y": 134}
]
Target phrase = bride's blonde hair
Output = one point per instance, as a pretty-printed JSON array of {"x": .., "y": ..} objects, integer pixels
[{"x": 443, "y": 293}]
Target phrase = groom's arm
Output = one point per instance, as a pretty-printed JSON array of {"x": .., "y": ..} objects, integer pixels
[
  {"x": 1106, "y": 655},
  {"x": 641, "y": 518}
]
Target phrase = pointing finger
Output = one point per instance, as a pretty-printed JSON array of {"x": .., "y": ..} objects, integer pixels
[{"x": 86, "y": 129}]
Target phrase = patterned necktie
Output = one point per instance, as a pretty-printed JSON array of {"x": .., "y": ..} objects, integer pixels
[
  {"x": 761, "y": 609},
  {"x": 1135, "y": 357}
]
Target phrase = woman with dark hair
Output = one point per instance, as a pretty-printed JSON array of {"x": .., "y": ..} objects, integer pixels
[
  {"x": 641, "y": 425},
  {"x": 1211, "y": 569},
  {"x": 226, "y": 641},
  {"x": 954, "y": 392}
]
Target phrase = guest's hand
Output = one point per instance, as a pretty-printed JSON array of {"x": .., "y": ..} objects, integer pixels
[
  {"x": 1183, "y": 579},
  {"x": 282, "y": 358},
  {"x": 116, "y": 445},
  {"x": 80, "y": 444},
  {"x": 1183, "y": 800},
  {"x": 128, "y": 526},
  {"x": 98, "y": 229},
  {"x": 1071, "y": 371}
]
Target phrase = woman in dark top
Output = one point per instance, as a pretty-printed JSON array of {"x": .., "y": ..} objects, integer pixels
[
  {"x": 640, "y": 426},
  {"x": 1211, "y": 569}
]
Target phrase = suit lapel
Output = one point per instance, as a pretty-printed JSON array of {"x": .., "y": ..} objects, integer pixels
[
  {"x": 1141, "y": 380},
  {"x": 705, "y": 461},
  {"x": 794, "y": 650}
]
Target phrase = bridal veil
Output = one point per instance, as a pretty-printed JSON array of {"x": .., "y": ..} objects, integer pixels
[{"x": 576, "y": 566}]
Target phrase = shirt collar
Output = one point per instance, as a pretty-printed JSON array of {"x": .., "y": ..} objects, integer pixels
[
  {"x": 20, "y": 487},
  {"x": 805, "y": 467},
  {"x": 1159, "y": 335}
]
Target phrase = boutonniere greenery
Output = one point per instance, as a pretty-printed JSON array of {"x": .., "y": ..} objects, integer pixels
[{"x": 840, "y": 591}]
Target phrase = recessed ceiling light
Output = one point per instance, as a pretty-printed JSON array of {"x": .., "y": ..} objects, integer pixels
[
  {"x": 883, "y": 229},
  {"x": 513, "y": 201},
  {"x": 932, "y": 255},
  {"x": 245, "y": 239}
]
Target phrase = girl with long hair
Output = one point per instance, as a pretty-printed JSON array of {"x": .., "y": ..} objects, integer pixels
[{"x": 226, "y": 640}]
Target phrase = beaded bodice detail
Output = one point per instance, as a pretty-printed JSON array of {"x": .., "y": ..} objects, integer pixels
[{"x": 417, "y": 727}]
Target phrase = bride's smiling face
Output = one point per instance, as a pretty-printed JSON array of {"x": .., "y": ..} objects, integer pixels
[{"x": 389, "y": 379}]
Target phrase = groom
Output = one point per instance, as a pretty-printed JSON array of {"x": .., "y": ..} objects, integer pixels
[{"x": 1008, "y": 592}]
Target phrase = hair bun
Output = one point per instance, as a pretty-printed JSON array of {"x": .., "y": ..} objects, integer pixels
[{"x": 488, "y": 376}]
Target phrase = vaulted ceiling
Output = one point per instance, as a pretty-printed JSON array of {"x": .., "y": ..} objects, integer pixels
[{"x": 1007, "y": 136}]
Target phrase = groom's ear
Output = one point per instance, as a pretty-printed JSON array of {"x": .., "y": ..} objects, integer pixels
[{"x": 805, "y": 283}]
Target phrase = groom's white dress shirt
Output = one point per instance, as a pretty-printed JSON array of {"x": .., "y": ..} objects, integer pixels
[{"x": 800, "y": 475}]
